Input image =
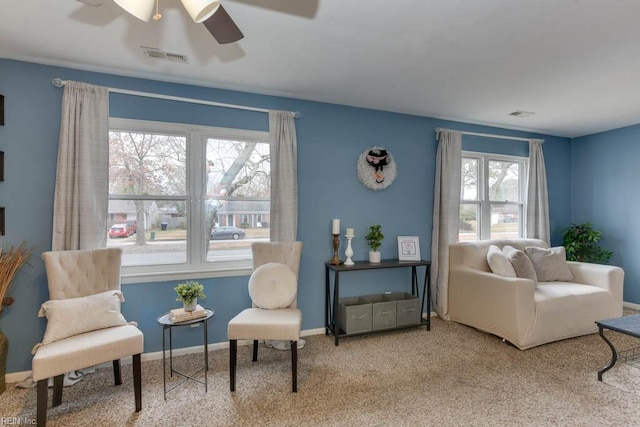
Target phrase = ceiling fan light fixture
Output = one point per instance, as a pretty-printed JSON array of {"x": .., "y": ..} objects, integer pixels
[
  {"x": 201, "y": 10},
  {"x": 141, "y": 9}
]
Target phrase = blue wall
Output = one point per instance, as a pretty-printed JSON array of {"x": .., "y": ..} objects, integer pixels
[
  {"x": 330, "y": 139},
  {"x": 605, "y": 172}
]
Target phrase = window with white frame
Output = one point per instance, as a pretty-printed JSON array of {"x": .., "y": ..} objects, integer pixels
[
  {"x": 492, "y": 202},
  {"x": 179, "y": 188}
]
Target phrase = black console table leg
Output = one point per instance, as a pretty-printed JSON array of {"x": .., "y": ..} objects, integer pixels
[
  {"x": 327, "y": 301},
  {"x": 614, "y": 354},
  {"x": 336, "y": 312}
]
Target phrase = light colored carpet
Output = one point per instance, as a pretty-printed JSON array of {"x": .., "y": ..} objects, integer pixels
[{"x": 452, "y": 375}]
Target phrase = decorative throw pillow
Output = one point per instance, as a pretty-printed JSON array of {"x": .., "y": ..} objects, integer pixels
[
  {"x": 521, "y": 263},
  {"x": 273, "y": 285},
  {"x": 499, "y": 263},
  {"x": 73, "y": 316},
  {"x": 550, "y": 264}
]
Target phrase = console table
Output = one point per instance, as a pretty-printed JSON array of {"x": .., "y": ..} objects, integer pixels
[{"x": 332, "y": 308}]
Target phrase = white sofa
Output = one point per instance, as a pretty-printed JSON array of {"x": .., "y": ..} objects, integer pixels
[{"x": 522, "y": 313}]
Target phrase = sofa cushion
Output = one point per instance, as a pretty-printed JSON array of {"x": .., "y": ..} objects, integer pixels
[
  {"x": 499, "y": 263},
  {"x": 521, "y": 263},
  {"x": 550, "y": 264}
]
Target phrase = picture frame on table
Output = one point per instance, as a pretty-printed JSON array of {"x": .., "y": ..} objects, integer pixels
[{"x": 408, "y": 248}]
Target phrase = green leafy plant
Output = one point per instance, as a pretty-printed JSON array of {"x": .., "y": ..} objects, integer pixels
[
  {"x": 374, "y": 237},
  {"x": 581, "y": 244},
  {"x": 188, "y": 291}
]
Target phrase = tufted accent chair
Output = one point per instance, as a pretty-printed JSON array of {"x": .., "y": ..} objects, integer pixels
[
  {"x": 281, "y": 324},
  {"x": 75, "y": 274},
  {"x": 70, "y": 272}
]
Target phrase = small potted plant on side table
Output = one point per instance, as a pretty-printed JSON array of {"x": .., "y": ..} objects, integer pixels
[
  {"x": 374, "y": 240},
  {"x": 188, "y": 293}
]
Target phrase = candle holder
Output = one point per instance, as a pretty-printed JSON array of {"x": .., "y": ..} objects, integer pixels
[
  {"x": 348, "y": 252},
  {"x": 336, "y": 244}
]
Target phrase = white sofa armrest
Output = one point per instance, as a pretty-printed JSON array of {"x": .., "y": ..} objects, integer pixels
[
  {"x": 607, "y": 277},
  {"x": 501, "y": 305}
]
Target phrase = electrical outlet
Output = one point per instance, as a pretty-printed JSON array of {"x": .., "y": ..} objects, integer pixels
[{"x": 195, "y": 325}]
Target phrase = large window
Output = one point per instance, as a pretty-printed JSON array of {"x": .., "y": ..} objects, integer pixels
[
  {"x": 492, "y": 202},
  {"x": 185, "y": 198}
]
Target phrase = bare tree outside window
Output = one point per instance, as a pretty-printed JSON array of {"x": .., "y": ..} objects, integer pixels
[
  {"x": 144, "y": 164},
  {"x": 492, "y": 202},
  {"x": 238, "y": 185},
  {"x": 183, "y": 197}
]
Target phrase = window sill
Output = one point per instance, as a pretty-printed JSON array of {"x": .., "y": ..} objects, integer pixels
[{"x": 165, "y": 276}]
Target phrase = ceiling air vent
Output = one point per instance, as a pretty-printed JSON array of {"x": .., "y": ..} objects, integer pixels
[
  {"x": 150, "y": 52},
  {"x": 520, "y": 113}
]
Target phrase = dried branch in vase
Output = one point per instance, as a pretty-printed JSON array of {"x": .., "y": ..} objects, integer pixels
[{"x": 11, "y": 261}]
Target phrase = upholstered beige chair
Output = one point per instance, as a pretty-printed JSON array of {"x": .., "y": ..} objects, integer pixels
[
  {"x": 84, "y": 323},
  {"x": 274, "y": 314}
]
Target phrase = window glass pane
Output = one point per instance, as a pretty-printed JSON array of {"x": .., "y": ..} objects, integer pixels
[
  {"x": 504, "y": 181},
  {"x": 150, "y": 232},
  {"x": 468, "y": 225},
  {"x": 505, "y": 221},
  {"x": 147, "y": 163},
  {"x": 238, "y": 190},
  {"x": 469, "y": 179}
]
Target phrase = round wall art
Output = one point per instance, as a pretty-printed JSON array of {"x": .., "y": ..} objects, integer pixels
[{"x": 376, "y": 168}]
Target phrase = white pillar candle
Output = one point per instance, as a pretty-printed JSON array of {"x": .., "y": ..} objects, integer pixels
[
  {"x": 336, "y": 226},
  {"x": 350, "y": 232}
]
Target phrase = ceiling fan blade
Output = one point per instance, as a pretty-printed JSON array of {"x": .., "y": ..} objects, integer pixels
[
  {"x": 222, "y": 27},
  {"x": 93, "y": 3},
  {"x": 304, "y": 9}
]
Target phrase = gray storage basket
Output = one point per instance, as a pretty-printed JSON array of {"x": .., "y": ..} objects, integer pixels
[
  {"x": 383, "y": 311},
  {"x": 355, "y": 315},
  {"x": 407, "y": 308}
]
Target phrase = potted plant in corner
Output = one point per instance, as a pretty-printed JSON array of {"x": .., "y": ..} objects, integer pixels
[
  {"x": 581, "y": 244},
  {"x": 374, "y": 240},
  {"x": 188, "y": 293}
]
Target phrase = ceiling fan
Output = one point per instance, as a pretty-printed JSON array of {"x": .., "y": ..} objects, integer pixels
[{"x": 208, "y": 12}]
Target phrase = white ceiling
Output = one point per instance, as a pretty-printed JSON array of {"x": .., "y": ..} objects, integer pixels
[{"x": 575, "y": 63}]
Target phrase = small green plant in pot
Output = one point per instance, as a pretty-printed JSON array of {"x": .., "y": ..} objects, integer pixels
[
  {"x": 374, "y": 240},
  {"x": 581, "y": 244},
  {"x": 188, "y": 293}
]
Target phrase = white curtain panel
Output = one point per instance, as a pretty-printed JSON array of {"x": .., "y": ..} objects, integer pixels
[
  {"x": 446, "y": 213},
  {"x": 284, "y": 176},
  {"x": 537, "y": 196},
  {"x": 82, "y": 178}
]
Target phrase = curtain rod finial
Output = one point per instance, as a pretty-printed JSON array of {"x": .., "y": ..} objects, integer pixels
[{"x": 57, "y": 82}]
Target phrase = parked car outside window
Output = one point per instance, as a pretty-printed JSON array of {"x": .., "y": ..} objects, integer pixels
[
  {"x": 227, "y": 232},
  {"x": 120, "y": 230}
]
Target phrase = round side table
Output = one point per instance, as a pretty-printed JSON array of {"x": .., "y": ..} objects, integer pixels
[{"x": 168, "y": 324}]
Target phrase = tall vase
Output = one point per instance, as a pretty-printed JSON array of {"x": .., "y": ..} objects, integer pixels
[{"x": 4, "y": 349}]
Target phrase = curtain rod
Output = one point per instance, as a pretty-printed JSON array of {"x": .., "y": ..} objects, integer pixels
[
  {"x": 490, "y": 135},
  {"x": 60, "y": 83}
]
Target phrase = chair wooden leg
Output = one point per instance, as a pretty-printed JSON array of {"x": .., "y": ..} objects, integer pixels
[
  {"x": 58, "y": 382},
  {"x": 233, "y": 353},
  {"x": 294, "y": 365},
  {"x": 117, "y": 376},
  {"x": 255, "y": 350},
  {"x": 137, "y": 381},
  {"x": 41, "y": 406}
]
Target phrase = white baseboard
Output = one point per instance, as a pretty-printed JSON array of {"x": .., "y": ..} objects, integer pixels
[
  {"x": 16, "y": 377},
  {"x": 631, "y": 305}
]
